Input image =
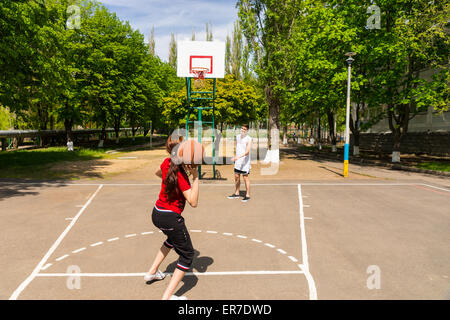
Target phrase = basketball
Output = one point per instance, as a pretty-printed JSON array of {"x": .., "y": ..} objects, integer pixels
[{"x": 191, "y": 152}]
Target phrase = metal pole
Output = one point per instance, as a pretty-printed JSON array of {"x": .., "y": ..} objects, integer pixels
[
  {"x": 347, "y": 116},
  {"x": 188, "y": 93},
  {"x": 214, "y": 130},
  {"x": 200, "y": 138}
]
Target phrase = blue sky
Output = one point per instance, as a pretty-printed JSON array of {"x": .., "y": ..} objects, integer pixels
[{"x": 177, "y": 16}]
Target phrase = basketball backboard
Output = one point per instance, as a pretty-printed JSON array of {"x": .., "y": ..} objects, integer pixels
[{"x": 194, "y": 55}]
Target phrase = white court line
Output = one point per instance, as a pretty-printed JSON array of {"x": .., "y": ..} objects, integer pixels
[
  {"x": 435, "y": 187},
  {"x": 113, "y": 239},
  {"x": 148, "y": 232},
  {"x": 79, "y": 250},
  {"x": 62, "y": 257},
  {"x": 305, "y": 266},
  {"x": 52, "y": 249},
  {"x": 46, "y": 266},
  {"x": 141, "y": 274},
  {"x": 96, "y": 244},
  {"x": 130, "y": 235}
]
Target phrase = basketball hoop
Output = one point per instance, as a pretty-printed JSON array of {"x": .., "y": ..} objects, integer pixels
[{"x": 199, "y": 79}]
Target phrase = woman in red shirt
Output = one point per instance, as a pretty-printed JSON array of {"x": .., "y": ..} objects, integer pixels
[{"x": 175, "y": 191}]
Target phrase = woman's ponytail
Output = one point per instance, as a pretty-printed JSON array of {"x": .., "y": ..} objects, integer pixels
[{"x": 171, "y": 179}]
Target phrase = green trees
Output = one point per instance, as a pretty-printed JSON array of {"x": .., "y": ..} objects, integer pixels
[
  {"x": 299, "y": 49},
  {"x": 61, "y": 69},
  {"x": 414, "y": 39},
  {"x": 236, "y": 102}
]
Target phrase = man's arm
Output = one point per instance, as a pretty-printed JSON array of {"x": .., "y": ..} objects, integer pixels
[{"x": 159, "y": 172}]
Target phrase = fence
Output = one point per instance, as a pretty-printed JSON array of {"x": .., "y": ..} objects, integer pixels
[{"x": 8, "y": 136}]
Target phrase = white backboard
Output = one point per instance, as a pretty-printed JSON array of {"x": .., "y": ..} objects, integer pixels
[{"x": 204, "y": 54}]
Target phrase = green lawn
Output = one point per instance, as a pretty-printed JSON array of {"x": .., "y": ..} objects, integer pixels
[
  {"x": 437, "y": 166},
  {"x": 33, "y": 164}
]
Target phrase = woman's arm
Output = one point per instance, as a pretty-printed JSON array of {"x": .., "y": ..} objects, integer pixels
[
  {"x": 191, "y": 195},
  {"x": 159, "y": 172}
]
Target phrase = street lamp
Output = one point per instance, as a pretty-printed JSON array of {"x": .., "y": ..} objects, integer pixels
[{"x": 347, "y": 116}]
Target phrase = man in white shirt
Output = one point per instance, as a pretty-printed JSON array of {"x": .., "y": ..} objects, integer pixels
[
  {"x": 242, "y": 163},
  {"x": 69, "y": 145}
]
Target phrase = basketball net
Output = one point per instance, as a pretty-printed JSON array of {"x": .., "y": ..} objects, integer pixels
[{"x": 199, "y": 79}]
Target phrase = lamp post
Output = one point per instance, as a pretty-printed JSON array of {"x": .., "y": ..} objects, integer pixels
[{"x": 347, "y": 116}]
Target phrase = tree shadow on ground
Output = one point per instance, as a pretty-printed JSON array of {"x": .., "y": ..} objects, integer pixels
[
  {"x": 12, "y": 188},
  {"x": 200, "y": 264}
]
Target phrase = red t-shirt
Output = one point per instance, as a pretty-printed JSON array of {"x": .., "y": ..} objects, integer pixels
[{"x": 177, "y": 204}]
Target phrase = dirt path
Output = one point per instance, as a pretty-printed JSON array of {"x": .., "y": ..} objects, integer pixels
[{"x": 141, "y": 165}]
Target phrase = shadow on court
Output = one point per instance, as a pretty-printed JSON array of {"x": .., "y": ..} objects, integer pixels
[
  {"x": 200, "y": 264},
  {"x": 11, "y": 188}
]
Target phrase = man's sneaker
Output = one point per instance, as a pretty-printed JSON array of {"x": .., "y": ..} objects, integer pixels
[
  {"x": 245, "y": 199},
  {"x": 233, "y": 196},
  {"x": 157, "y": 276},
  {"x": 174, "y": 297}
]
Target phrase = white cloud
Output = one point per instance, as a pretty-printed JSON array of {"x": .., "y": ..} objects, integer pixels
[{"x": 177, "y": 16}]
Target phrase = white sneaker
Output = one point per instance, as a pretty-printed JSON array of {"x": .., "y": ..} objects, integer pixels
[
  {"x": 157, "y": 276},
  {"x": 174, "y": 297}
]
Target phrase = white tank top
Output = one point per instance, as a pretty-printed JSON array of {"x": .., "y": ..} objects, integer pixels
[{"x": 244, "y": 163}]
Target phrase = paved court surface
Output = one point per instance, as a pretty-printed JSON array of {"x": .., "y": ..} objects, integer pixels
[{"x": 293, "y": 240}]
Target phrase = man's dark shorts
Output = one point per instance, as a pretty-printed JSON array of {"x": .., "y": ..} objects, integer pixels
[{"x": 241, "y": 172}]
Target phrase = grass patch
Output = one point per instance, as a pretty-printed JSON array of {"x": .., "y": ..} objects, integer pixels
[
  {"x": 36, "y": 164},
  {"x": 436, "y": 165},
  {"x": 33, "y": 164}
]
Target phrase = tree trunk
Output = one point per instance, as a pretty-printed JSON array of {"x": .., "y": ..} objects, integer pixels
[
  {"x": 354, "y": 128},
  {"x": 68, "y": 126},
  {"x": 332, "y": 128},
  {"x": 102, "y": 137},
  {"x": 319, "y": 134},
  {"x": 117, "y": 128},
  {"x": 134, "y": 128},
  {"x": 43, "y": 120},
  {"x": 399, "y": 129},
  {"x": 273, "y": 152}
]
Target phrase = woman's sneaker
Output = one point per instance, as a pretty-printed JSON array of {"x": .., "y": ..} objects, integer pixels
[
  {"x": 233, "y": 196},
  {"x": 157, "y": 276},
  {"x": 174, "y": 297},
  {"x": 245, "y": 199}
]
